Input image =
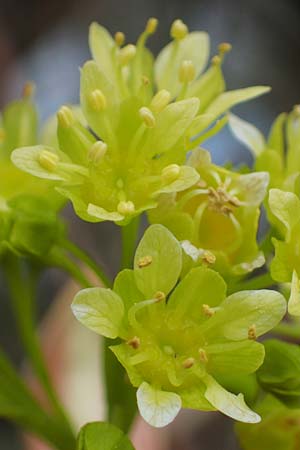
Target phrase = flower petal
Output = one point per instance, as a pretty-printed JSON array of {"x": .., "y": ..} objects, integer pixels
[
  {"x": 286, "y": 208},
  {"x": 163, "y": 252},
  {"x": 294, "y": 300},
  {"x": 158, "y": 408},
  {"x": 188, "y": 176},
  {"x": 248, "y": 134},
  {"x": 229, "y": 404},
  {"x": 101, "y": 310}
]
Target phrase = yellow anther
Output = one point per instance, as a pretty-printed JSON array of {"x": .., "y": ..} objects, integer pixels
[
  {"x": 119, "y": 38},
  {"x": 126, "y": 208},
  {"x": 65, "y": 117},
  {"x": 203, "y": 355},
  {"x": 208, "y": 257},
  {"x": 97, "y": 151},
  {"x": 207, "y": 310},
  {"x": 151, "y": 25},
  {"x": 144, "y": 261},
  {"x": 216, "y": 60},
  {"x": 160, "y": 100},
  {"x": 178, "y": 30},
  {"x": 48, "y": 160},
  {"x": 97, "y": 100},
  {"x": 148, "y": 118},
  {"x": 28, "y": 89},
  {"x": 159, "y": 296},
  {"x": 224, "y": 47},
  {"x": 188, "y": 363},
  {"x": 252, "y": 332},
  {"x": 2, "y": 135},
  {"x": 187, "y": 71},
  {"x": 170, "y": 173},
  {"x": 202, "y": 184},
  {"x": 134, "y": 342},
  {"x": 126, "y": 54}
]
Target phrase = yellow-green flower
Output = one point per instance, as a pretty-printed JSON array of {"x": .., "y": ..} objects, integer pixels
[
  {"x": 219, "y": 214},
  {"x": 178, "y": 339},
  {"x": 143, "y": 114}
]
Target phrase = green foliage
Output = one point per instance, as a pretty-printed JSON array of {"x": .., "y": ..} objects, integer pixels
[{"x": 104, "y": 436}]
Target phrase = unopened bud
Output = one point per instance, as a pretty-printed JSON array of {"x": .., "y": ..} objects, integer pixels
[
  {"x": 126, "y": 208},
  {"x": 170, "y": 173},
  {"x": 187, "y": 71},
  {"x": 160, "y": 100},
  {"x": 147, "y": 116},
  {"x": 178, "y": 29},
  {"x": 48, "y": 160},
  {"x": 97, "y": 151},
  {"x": 144, "y": 261},
  {"x": 126, "y": 54},
  {"x": 65, "y": 117},
  {"x": 119, "y": 38},
  {"x": 97, "y": 100},
  {"x": 151, "y": 25}
]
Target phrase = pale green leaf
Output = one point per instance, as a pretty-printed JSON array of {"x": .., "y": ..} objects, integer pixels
[{"x": 248, "y": 134}]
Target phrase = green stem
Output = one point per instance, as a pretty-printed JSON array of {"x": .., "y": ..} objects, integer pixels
[
  {"x": 289, "y": 330},
  {"x": 129, "y": 237},
  {"x": 259, "y": 282},
  {"x": 58, "y": 259},
  {"x": 86, "y": 259},
  {"x": 22, "y": 286}
]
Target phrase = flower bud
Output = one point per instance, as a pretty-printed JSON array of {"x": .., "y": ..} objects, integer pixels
[
  {"x": 97, "y": 100},
  {"x": 187, "y": 71},
  {"x": 170, "y": 173},
  {"x": 126, "y": 54},
  {"x": 126, "y": 208},
  {"x": 48, "y": 160},
  {"x": 179, "y": 30},
  {"x": 65, "y": 117},
  {"x": 147, "y": 116},
  {"x": 160, "y": 100}
]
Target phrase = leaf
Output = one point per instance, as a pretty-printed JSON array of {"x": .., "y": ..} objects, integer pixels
[
  {"x": 158, "y": 408},
  {"x": 164, "y": 252},
  {"x": 194, "y": 47},
  {"x": 229, "y": 404},
  {"x": 286, "y": 207},
  {"x": 276, "y": 139},
  {"x": 102, "y": 436},
  {"x": 248, "y": 134},
  {"x": 101, "y": 310}
]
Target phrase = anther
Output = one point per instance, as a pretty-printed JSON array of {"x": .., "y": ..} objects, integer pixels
[
  {"x": 178, "y": 30},
  {"x": 134, "y": 342},
  {"x": 151, "y": 25},
  {"x": 145, "y": 261},
  {"x": 65, "y": 117},
  {"x": 97, "y": 151},
  {"x": 203, "y": 355},
  {"x": 202, "y": 184},
  {"x": 28, "y": 89},
  {"x": 126, "y": 208},
  {"x": 147, "y": 116},
  {"x": 187, "y": 71},
  {"x": 188, "y": 363},
  {"x": 170, "y": 173},
  {"x": 216, "y": 60},
  {"x": 160, "y": 100},
  {"x": 159, "y": 296},
  {"x": 48, "y": 160},
  {"x": 207, "y": 310},
  {"x": 208, "y": 257},
  {"x": 126, "y": 54},
  {"x": 252, "y": 332},
  {"x": 224, "y": 47},
  {"x": 119, "y": 38},
  {"x": 97, "y": 100}
]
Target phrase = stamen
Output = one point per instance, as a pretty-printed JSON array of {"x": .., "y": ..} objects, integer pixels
[
  {"x": 159, "y": 296},
  {"x": 97, "y": 100},
  {"x": 202, "y": 184},
  {"x": 203, "y": 355},
  {"x": 224, "y": 47},
  {"x": 188, "y": 363},
  {"x": 151, "y": 25},
  {"x": 178, "y": 30},
  {"x": 65, "y": 117},
  {"x": 48, "y": 160},
  {"x": 97, "y": 152},
  {"x": 134, "y": 342},
  {"x": 144, "y": 261},
  {"x": 208, "y": 257},
  {"x": 207, "y": 310},
  {"x": 126, "y": 208},
  {"x": 252, "y": 332},
  {"x": 126, "y": 54},
  {"x": 147, "y": 117},
  {"x": 119, "y": 38},
  {"x": 187, "y": 71},
  {"x": 160, "y": 101},
  {"x": 216, "y": 60},
  {"x": 170, "y": 173},
  {"x": 28, "y": 89}
]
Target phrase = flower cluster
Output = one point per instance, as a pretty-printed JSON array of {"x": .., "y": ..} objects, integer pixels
[
  {"x": 178, "y": 339},
  {"x": 140, "y": 115}
]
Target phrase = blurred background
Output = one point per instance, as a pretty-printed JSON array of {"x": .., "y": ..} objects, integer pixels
[{"x": 47, "y": 42}]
